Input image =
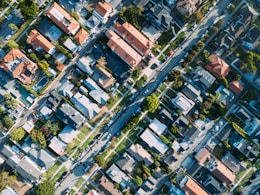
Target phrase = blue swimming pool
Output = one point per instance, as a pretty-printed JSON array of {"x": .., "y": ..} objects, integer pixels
[{"x": 38, "y": 87}]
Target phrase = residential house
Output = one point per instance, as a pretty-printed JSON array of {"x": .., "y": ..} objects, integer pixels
[
  {"x": 45, "y": 112},
  {"x": 217, "y": 66},
  {"x": 67, "y": 134},
  {"x": 189, "y": 186},
  {"x": 153, "y": 141},
  {"x": 28, "y": 126},
  {"x": 160, "y": 17},
  {"x": 66, "y": 88},
  {"x": 202, "y": 78},
  {"x": 166, "y": 117},
  {"x": 8, "y": 191},
  {"x": 216, "y": 167},
  {"x": 246, "y": 147},
  {"x": 226, "y": 95},
  {"x": 40, "y": 43},
  {"x": 62, "y": 19},
  {"x": 102, "y": 11},
  {"x": 71, "y": 46},
  {"x": 126, "y": 163},
  {"x": 134, "y": 38},
  {"x": 104, "y": 78},
  {"x": 57, "y": 146},
  {"x": 84, "y": 64},
  {"x": 192, "y": 93},
  {"x": 222, "y": 42},
  {"x": 84, "y": 105},
  {"x": 53, "y": 100},
  {"x": 140, "y": 154},
  {"x": 82, "y": 36},
  {"x": 118, "y": 176},
  {"x": 157, "y": 127},
  {"x": 182, "y": 123},
  {"x": 236, "y": 87},
  {"x": 93, "y": 22},
  {"x": 149, "y": 184},
  {"x": 123, "y": 50},
  {"x": 18, "y": 66},
  {"x": 141, "y": 3},
  {"x": 70, "y": 116},
  {"x": 251, "y": 40},
  {"x": 232, "y": 163},
  {"x": 99, "y": 95},
  {"x": 183, "y": 103},
  {"x": 190, "y": 134},
  {"x": 107, "y": 187},
  {"x": 176, "y": 191},
  {"x": 188, "y": 7}
]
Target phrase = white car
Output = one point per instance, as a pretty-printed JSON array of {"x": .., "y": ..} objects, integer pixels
[{"x": 8, "y": 37}]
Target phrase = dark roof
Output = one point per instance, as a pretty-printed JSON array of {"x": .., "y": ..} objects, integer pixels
[
  {"x": 192, "y": 93},
  {"x": 248, "y": 15},
  {"x": 54, "y": 99},
  {"x": 126, "y": 163},
  {"x": 191, "y": 133},
  {"x": 225, "y": 132},
  {"x": 181, "y": 122},
  {"x": 249, "y": 149},
  {"x": 242, "y": 114},
  {"x": 141, "y": 3},
  {"x": 231, "y": 162},
  {"x": 162, "y": 15},
  {"x": 166, "y": 117},
  {"x": 252, "y": 36}
]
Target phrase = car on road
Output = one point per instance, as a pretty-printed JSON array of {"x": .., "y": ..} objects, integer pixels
[
  {"x": 8, "y": 37},
  {"x": 146, "y": 91},
  {"x": 66, "y": 192},
  {"x": 154, "y": 66}
]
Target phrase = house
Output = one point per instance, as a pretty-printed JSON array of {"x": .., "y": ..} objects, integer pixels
[
  {"x": 189, "y": 186},
  {"x": 149, "y": 184},
  {"x": 18, "y": 66},
  {"x": 126, "y": 163},
  {"x": 102, "y": 11},
  {"x": 216, "y": 167},
  {"x": 66, "y": 88},
  {"x": 104, "y": 78},
  {"x": 236, "y": 87},
  {"x": 251, "y": 40},
  {"x": 226, "y": 95},
  {"x": 192, "y": 93},
  {"x": 232, "y": 163},
  {"x": 166, "y": 117},
  {"x": 71, "y": 46},
  {"x": 118, "y": 176},
  {"x": 160, "y": 17},
  {"x": 82, "y": 36},
  {"x": 140, "y": 154},
  {"x": 70, "y": 116},
  {"x": 247, "y": 15},
  {"x": 181, "y": 122},
  {"x": 67, "y": 134},
  {"x": 84, "y": 63},
  {"x": 223, "y": 41},
  {"x": 190, "y": 134},
  {"x": 28, "y": 126},
  {"x": 134, "y": 38},
  {"x": 62, "y": 19},
  {"x": 243, "y": 114},
  {"x": 247, "y": 148},
  {"x": 188, "y": 7},
  {"x": 57, "y": 146},
  {"x": 108, "y": 187},
  {"x": 183, "y": 103},
  {"x": 53, "y": 100},
  {"x": 123, "y": 50},
  {"x": 141, "y": 3},
  {"x": 176, "y": 191},
  {"x": 40, "y": 43},
  {"x": 84, "y": 105},
  {"x": 45, "y": 112},
  {"x": 217, "y": 66},
  {"x": 93, "y": 22},
  {"x": 153, "y": 141},
  {"x": 157, "y": 126}
]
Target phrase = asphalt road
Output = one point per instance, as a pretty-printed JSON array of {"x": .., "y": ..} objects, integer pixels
[{"x": 253, "y": 188}]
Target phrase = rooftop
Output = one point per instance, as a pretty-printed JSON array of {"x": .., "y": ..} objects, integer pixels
[
  {"x": 81, "y": 36},
  {"x": 57, "y": 146},
  {"x": 140, "y": 154},
  {"x": 183, "y": 103},
  {"x": 191, "y": 187},
  {"x": 102, "y": 8},
  {"x": 217, "y": 66},
  {"x": 157, "y": 126}
]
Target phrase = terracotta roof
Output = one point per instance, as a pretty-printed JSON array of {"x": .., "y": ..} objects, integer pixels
[
  {"x": 135, "y": 38},
  {"x": 123, "y": 50},
  {"x": 192, "y": 188},
  {"x": 102, "y": 8},
  {"x": 236, "y": 87},
  {"x": 16, "y": 63},
  {"x": 63, "y": 19},
  {"x": 108, "y": 187},
  {"x": 217, "y": 66},
  {"x": 202, "y": 156},
  {"x": 81, "y": 36},
  {"x": 37, "y": 40}
]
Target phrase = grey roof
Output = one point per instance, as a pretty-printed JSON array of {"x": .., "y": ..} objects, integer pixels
[
  {"x": 242, "y": 114},
  {"x": 252, "y": 36},
  {"x": 162, "y": 15},
  {"x": 225, "y": 132},
  {"x": 45, "y": 157},
  {"x": 118, "y": 176},
  {"x": 192, "y": 93},
  {"x": 249, "y": 149},
  {"x": 191, "y": 133},
  {"x": 54, "y": 99},
  {"x": 202, "y": 78},
  {"x": 7, "y": 151},
  {"x": 231, "y": 162},
  {"x": 140, "y": 154},
  {"x": 126, "y": 163},
  {"x": 141, "y": 3}
]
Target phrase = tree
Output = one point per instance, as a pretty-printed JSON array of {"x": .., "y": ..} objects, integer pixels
[
  {"x": 99, "y": 160},
  {"x": 215, "y": 29},
  {"x": 132, "y": 15},
  {"x": 75, "y": 15},
  {"x": 174, "y": 129},
  {"x": 38, "y": 136},
  {"x": 6, "y": 180},
  {"x": 28, "y": 8},
  {"x": 165, "y": 140},
  {"x": 198, "y": 16},
  {"x": 70, "y": 56},
  {"x": 151, "y": 103},
  {"x": 8, "y": 122},
  {"x": 45, "y": 188},
  {"x": 43, "y": 64},
  {"x": 238, "y": 77},
  {"x": 10, "y": 101},
  {"x": 223, "y": 81},
  {"x": 138, "y": 180},
  {"x": 33, "y": 57},
  {"x": 174, "y": 75},
  {"x": 62, "y": 49},
  {"x": 13, "y": 27},
  {"x": 11, "y": 44},
  {"x": 221, "y": 22},
  {"x": 17, "y": 134}
]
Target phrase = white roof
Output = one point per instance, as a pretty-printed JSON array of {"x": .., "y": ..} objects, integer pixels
[
  {"x": 85, "y": 62},
  {"x": 157, "y": 126},
  {"x": 8, "y": 191},
  {"x": 67, "y": 134},
  {"x": 28, "y": 126},
  {"x": 57, "y": 146},
  {"x": 45, "y": 111},
  {"x": 99, "y": 95},
  {"x": 71, "y": 45},
  {"x": 82, "y": 103},
  {"x": 183, "y": 103},
  {"x": 66, "y": 88},
  {"x": 154, "y": 141}
]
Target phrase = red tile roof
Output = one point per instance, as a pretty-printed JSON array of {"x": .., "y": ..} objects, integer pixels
[
  {"x": 37, "y": 40},
  {"x": 135, "y": 38},
  {"x": 102, "y": 8},
  {"x": 82, "y": 36},
  {"x": 192, "y": 188},
  {"x": 236, "y": 87},
  {"x": 62, "y": 19},
  {"x": 217, "y": 66},
  {"x": 123, "y": 50}
]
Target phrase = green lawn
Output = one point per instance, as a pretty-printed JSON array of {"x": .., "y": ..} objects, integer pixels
[
  {"x": 165, "y": 38},
  {"x": 58, "y": 175},
  {"x": 85, "y": 130},
  {"x": 247, "y": 177},
  {"x": 79, "y": 182},
  {"x": 81, "y": 136},
  {"x": 72, "y": 146},
  {"x": 122, "y": 146},
  {"x": 49, "y": 173},
  {"x": 163, "y": 87}
]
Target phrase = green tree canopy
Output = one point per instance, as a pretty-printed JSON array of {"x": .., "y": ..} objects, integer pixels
[
  {"x": 17, "y": 134},
  {"x": 38, "y": 136},
  {"x": 28, "y": 8},
  {"x": 99, "y": 160},
  {"x": 13, "y": 27},
  {"x": 198, "y": 16},
  {"x": 6, "y": 180},
  {"x": 45, "y": 188},
  {"x": 8, "y": 122},
  {"x": 75, "y": 15},
  {"x": 151, "y": 103},
  {"x": 11, "y": 44},
  {"x": 174, "y": 75},
  {"x": 138, "y": 180}
]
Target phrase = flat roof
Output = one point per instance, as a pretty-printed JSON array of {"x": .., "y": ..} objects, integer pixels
[
  {"x": 183, "y": 103},
  {"x": 157, "y": 126}
]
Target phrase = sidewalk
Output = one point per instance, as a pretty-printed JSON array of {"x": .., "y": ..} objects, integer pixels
[{"x": 5, "y": 10}]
